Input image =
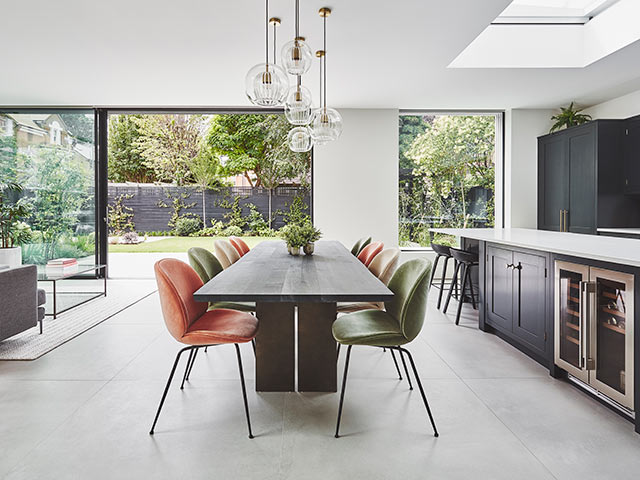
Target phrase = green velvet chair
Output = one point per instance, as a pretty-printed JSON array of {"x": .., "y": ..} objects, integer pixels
[
  {"x": 359, "y": 245},
  {"x": 396, "y": 326}
]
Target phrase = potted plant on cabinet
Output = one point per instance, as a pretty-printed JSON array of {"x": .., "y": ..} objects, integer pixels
[
  {"x": 292, "y": 235},
  {"x": 569, "y": 117},
  {"x": 310, "y": 235},
  {"x": 13, "y": 232}
]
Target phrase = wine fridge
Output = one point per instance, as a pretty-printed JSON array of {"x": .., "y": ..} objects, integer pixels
[{"x": 594, "y": 328}]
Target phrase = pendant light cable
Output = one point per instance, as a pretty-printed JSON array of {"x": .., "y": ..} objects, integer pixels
[
  {"x": 266, "y": 31},
  {"x": 325, "y": 61}
]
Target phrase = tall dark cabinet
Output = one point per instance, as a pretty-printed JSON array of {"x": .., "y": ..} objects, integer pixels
[{"x": 582, "y": 178}]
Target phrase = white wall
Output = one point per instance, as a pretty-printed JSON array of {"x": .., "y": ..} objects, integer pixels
[
  {"x": 522, "y": 129},
  {"x": 621, "y": 107},
  {"x": 355, "y": 184}
]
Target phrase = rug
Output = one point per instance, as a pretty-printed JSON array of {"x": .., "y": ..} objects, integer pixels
[{"x": 30, "y": 345}]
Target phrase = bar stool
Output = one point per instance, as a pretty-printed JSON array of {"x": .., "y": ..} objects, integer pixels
[
  {"x": 465, "y": 259},
  {"x": 441, "y": 251}
]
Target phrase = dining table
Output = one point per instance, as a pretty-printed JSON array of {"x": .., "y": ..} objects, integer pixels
[{"x": 296, "y": 300}]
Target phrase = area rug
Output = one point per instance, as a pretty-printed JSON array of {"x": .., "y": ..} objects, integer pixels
[{"x": 30, "y": 345}]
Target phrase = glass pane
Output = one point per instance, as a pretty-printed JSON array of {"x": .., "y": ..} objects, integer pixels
[
  {"x": 570, "y": 317},
  {"x": 51, "y": 155},
  {"x": 446, "y": 175},
  {"x": 611, "y": 342}
]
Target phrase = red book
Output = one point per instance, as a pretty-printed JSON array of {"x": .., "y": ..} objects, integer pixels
[{"x": 62, "y": 261}]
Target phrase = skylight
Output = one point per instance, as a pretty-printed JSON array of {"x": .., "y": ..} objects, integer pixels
[{"x": 538, "y": 12}]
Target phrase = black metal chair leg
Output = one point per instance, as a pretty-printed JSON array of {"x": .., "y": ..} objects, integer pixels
[
  {"x": 244, "y": 390},
  {"x": 166, "y": 389},
  {"x": 424, "y": 396},
  {"x": 455, "y": 277},
  {"x": 206, "y": 349},
  {"x": 454, "y": 283},
  {"x": 193, "y": 360},
  {"x": 461, "y": 299},
  {"x": 433, "y": 269},
  {"x": 444, "y": 273},
  {"x": 344, "y": 385},
  {"x": 393, "y": 355},
  {"x": 338, "y": 352},
  {"x": 186, "y": 369},
  {"x": 253, "y": 344},
  {"x": 471, "y": 294},
  {"x": 406, "y": 372}
]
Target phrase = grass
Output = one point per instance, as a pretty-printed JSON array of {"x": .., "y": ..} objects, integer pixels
[{"x": 178, "y": 244}]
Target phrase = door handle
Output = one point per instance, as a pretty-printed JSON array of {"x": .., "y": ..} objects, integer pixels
[
  {"x": 566, "y": 220},
  {"x": 561, "y": 222}
]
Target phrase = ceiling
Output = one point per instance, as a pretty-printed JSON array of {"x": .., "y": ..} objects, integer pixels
[{"x": 196, "y": 53}]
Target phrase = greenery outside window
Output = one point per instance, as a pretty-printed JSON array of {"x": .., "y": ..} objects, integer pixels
[{"x": 447, "y": 174}]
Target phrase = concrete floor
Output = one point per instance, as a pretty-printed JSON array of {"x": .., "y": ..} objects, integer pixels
[{"x": 84, "y": 411}]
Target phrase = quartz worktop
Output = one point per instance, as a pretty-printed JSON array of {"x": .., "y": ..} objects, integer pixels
[
  {"x": 621, "y": 231},
  {"x": 624, "y": 251}
]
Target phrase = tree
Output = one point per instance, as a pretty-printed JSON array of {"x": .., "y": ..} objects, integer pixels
[
  {"x": 80, "y": 125},
  {"x": 169, "y": 143},
  {"x": 205, "y": 172},
  {"x": 453, "y": 155},
  {"x": 126, "y": 164},
  {"x": 410, "y": 127}
]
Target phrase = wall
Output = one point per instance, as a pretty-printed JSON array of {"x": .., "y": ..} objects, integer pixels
[
  {"x": 355, "y": 186},
  {"x": 522, "y": 129},
  {"x": 621, "y": 107}
]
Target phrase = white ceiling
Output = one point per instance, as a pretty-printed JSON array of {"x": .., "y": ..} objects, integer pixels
[{"x": 196, "y": 53}]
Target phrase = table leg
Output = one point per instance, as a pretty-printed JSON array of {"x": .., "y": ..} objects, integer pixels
[
  {"x": 55, "y": 306},
  {"x": 275, "y": 347},
  {"x": 316, "y": 348}
]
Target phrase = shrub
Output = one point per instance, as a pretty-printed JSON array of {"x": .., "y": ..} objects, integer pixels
[
  {"x": 255, "y": 220},
  {"x": 120, "y": 216},
  {"x": 215, "y": 230},
  {"x": 185, "y": 226},
  {"x": 232, "y": 230},
  {"x": 130, "y": 238}
]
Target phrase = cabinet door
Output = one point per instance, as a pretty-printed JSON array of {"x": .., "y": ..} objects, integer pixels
[
  {"x": 499, "y": 299},
  {"x": 581, "y": 152},
  {"x": 530, "y": 299},
  {"x": 553, "y": 181},
  {"x": 632, "y": 156}
]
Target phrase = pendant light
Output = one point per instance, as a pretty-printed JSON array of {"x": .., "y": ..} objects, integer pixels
[
  {"x": 296, "y": 54},
  {"x": 266, "y": 84},
  {"x": 326, "y": 123},
  {"x": 299, "y": 139}
]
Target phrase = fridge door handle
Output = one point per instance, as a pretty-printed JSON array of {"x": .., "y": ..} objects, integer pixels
[
  {"x": 592, "y": 327},
  {"x": 581, "y": 319}
]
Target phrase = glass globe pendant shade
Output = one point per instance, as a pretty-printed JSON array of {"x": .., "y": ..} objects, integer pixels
[
  {"x": 325, "y": 125},
  {"x": 267, "y": 85},
  {"x": 299, "y": 139},
  {"x": 297, "y": 107},
  {"x": 296, "y": 57}
]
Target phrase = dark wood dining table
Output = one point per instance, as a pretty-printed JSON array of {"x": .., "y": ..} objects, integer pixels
[{"x": 282, "y": 284}]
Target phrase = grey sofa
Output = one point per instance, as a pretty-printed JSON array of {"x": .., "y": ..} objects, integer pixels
[{"x": 21, "y": 302}]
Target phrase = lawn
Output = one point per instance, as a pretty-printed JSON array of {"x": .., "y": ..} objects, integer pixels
[{"x": 178, "y": 244}]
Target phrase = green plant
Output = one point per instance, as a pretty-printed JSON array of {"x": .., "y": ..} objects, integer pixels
[
  {"x": 234, "y": 217},
  {"x": 186, "y": 226},
  {"x": 177, "y": 205},
  {"x": 569, "y": 117},
  {"x": 309, "y": 233},
  {"x": 12, "y": 231},
  {"x": 215, "y": 230},
  {"x": 120, "y": 216},
  {"x": 293, "y": 235},
  {"x": 157, "y": 233},
  {"x": 255, "y": 221},
  {"x": 232, "y": 231},
  {"x": 297, "y": 212}
]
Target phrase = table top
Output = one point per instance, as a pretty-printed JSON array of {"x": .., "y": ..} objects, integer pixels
[
  {"x": 45, "y": 275},
  {"x": 269, "y": 274},
  {"x": 625, "y": 251}
]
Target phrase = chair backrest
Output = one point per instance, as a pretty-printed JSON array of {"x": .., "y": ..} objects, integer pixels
[
  {"x": 226, "y": 253},
  {"x": 204, "y": 263},
  {"x": 240, "y": 245},
  {"x": 441, "y": 249},
  {"x": 368, "y": 253},
  {"x": 410, "y": 286},
  {"x": 177, "y": 283},
  {"x": 384, "y": 264},
  {"x": 355, "y": 250}
]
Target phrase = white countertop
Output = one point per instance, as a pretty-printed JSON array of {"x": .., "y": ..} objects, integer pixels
[
  {"x": 625, "y": 231},
  {"x": 625, "y": 251}
]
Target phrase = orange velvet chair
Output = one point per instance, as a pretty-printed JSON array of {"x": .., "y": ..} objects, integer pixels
[
  {"x": 190, "y": 323},
  {"x": 240, "y": 245},
  {"x": 369, "y": 252}
]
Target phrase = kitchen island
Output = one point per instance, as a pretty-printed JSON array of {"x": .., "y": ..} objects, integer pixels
[{"x": 567, "y": 300}]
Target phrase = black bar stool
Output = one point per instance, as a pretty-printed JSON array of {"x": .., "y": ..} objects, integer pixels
[
  {"x": 465, "y": 259},
  {"x": 441, "y": 251}
]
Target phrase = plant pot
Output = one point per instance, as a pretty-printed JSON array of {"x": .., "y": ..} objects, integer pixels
[
  {"x": 308, "y": 248},
  {"x": 11, "y": 256},
  {"x": 295, "y": 251}
]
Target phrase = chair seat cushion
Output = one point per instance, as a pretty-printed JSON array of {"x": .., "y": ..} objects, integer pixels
[
  {"x": 345, "y": 307},
  {"x": 221, "y": 326},
  {"x": 241, "y": 306},
  {"x": 368, "y": 327}
]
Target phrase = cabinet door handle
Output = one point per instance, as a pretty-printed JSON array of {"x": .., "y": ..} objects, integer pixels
[
  {"x": 566, "y": 220},
  {"x": 561, "y": 222}
]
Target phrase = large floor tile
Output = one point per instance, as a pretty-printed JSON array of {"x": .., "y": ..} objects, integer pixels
[{"x": 575, "y": 436}]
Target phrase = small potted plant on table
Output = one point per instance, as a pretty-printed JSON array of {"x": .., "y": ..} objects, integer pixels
[
  {"x": 310, "y": 235},
  {"x": 292, "y": 235},
  {"x": 13, "y": 232}
]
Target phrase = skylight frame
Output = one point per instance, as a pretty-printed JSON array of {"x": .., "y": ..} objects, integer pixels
[{"x": 544, "y": 17}]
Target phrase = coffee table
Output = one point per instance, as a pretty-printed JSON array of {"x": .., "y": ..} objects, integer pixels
[{"x": 82, "y": 297}]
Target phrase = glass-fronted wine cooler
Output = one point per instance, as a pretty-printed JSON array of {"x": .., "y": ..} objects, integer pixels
[{"x": 594, "y": 328}]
